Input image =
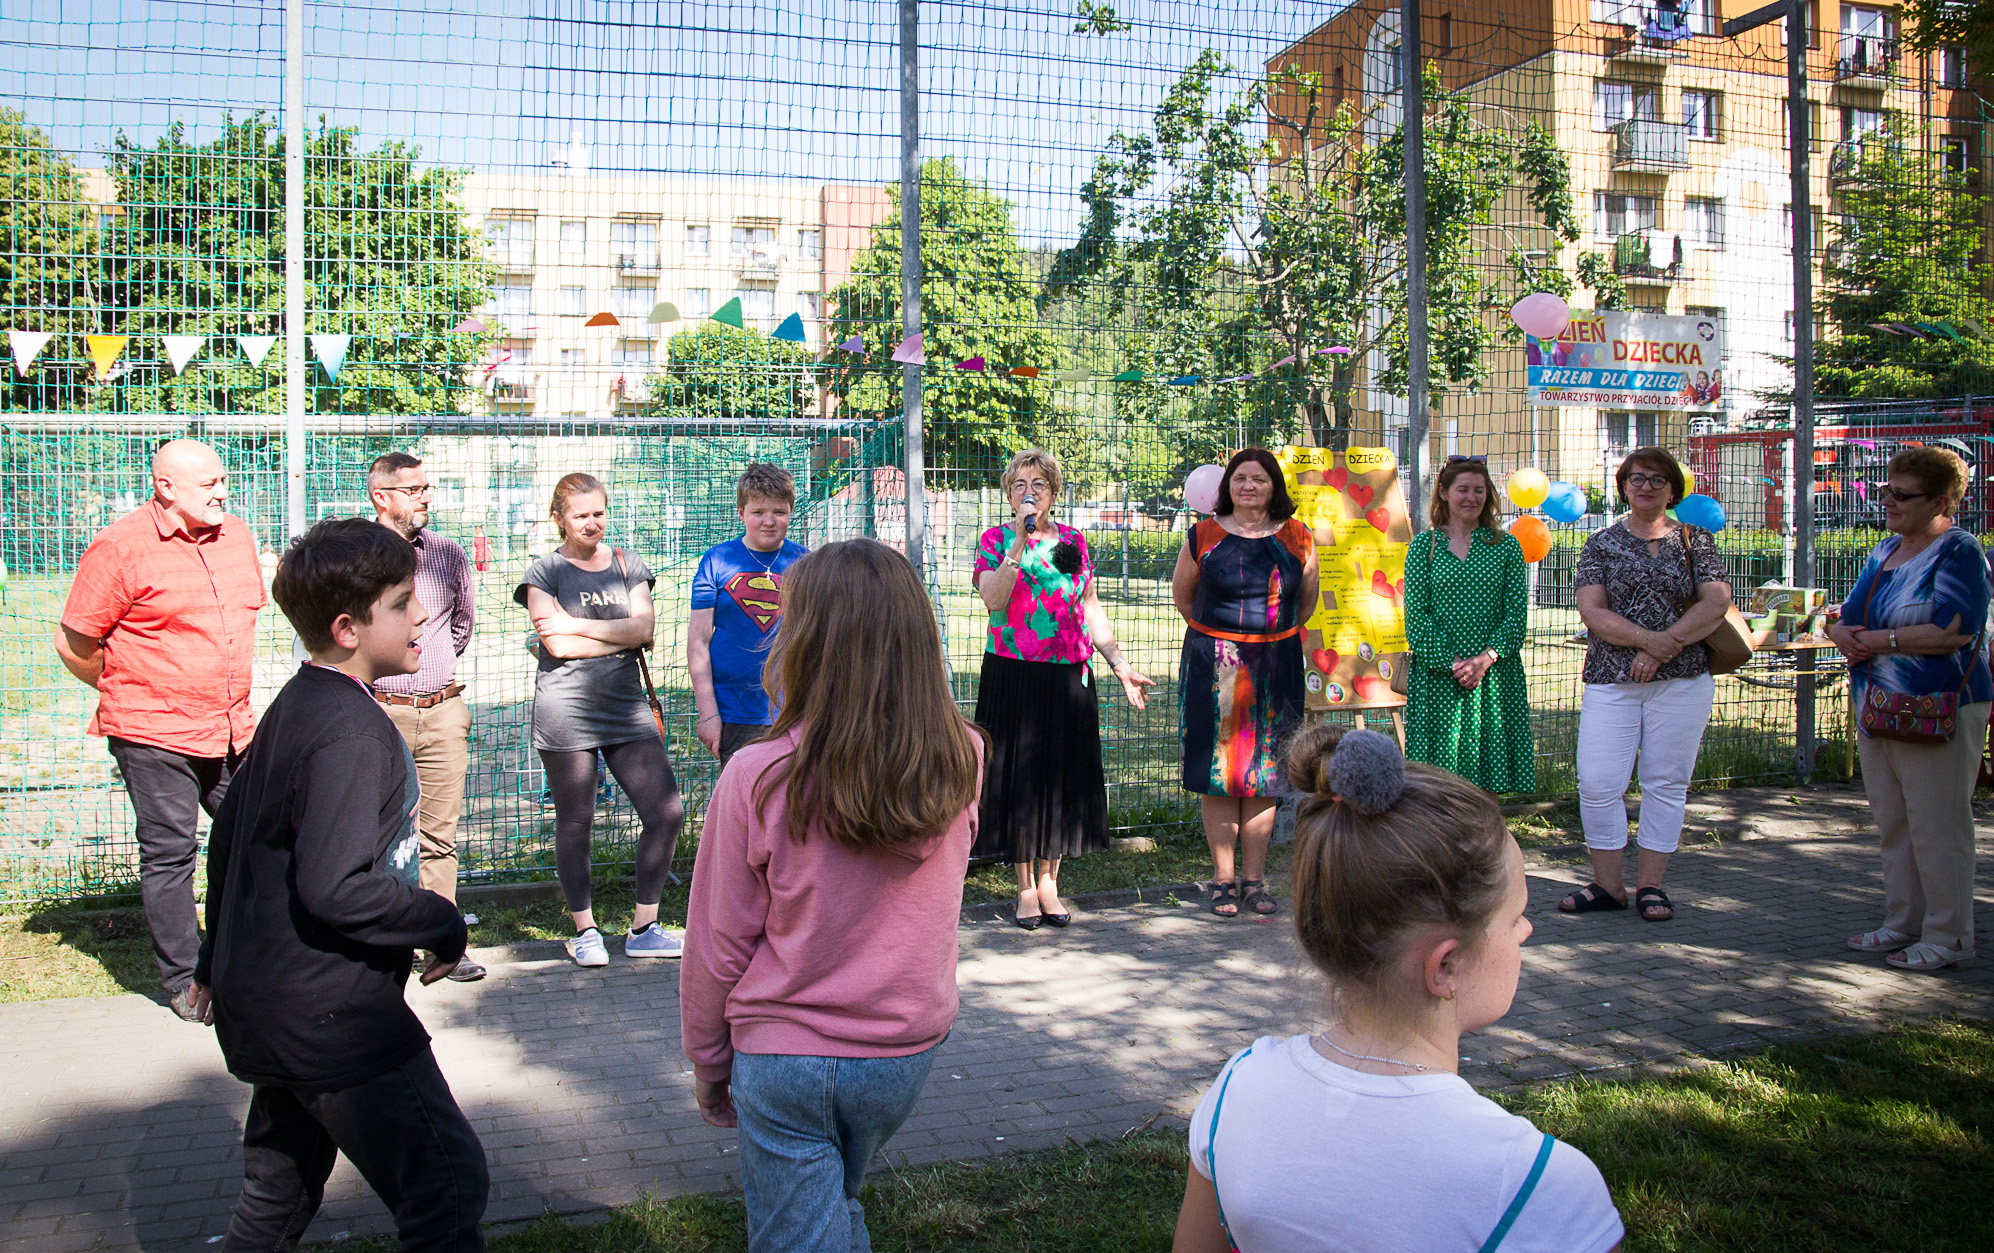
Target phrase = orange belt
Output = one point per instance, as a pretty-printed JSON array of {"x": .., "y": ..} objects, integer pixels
[{"x": 1244, "y": 637}]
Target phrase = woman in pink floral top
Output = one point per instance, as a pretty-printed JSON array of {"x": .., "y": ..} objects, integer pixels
[{"x": 1044, "y": 795}]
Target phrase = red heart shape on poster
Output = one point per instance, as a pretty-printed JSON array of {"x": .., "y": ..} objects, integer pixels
[
  {"x": 1339, "y": 478},
  {"x": 1399, "y": 587},
  {"x": 1380, "y": 585},
  {"x": 1380, "y": 518},
  {"x": 1370, "y": 687},
  {"x": 1324, "y": 659},
  {"x": 1363, "y": 494}
]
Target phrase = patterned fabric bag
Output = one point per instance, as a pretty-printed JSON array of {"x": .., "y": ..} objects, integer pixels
[{"x": 1908, "y": 718}]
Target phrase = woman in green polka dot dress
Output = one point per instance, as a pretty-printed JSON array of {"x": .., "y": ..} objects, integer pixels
[{"x": 1467, "y": 600}]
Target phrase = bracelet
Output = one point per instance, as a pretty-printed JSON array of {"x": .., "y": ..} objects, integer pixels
[
  {"x": 1893, "y": 639},
  {"x": 1010, "y": 561},
  {"x": 709, "y": 718}
]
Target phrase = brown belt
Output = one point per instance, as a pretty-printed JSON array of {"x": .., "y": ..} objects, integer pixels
[{"x": 420, "y": 702}]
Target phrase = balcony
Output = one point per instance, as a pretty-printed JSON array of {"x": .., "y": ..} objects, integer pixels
[
  {"x": 1846, "y": 158},
  {"x": 1648, "y": 258},
  {"x": 640, "y": 262},
  {"x": 763, "y": 263},
  {"x": 1643, "y": 146},
  {"x": 1866, "y": 64},
  {"x": 512, "y": 393}
]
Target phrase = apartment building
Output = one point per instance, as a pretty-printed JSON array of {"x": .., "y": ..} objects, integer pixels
[
  {"x": 574, "y": 244},
  {"x": 1677, "y": 139}
]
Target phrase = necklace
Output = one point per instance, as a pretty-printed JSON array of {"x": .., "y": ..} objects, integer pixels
[
  {"x": 1365, "y": 1057},
  {"x": 768, "y": 567}
]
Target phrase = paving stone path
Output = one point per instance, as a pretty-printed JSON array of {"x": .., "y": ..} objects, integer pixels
[{"x": 119, "y": 1128}]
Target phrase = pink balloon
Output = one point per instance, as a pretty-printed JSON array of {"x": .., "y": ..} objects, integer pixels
[
  {"x": 1541, "y": 314},
  {"x": 1201, "y": 488}
]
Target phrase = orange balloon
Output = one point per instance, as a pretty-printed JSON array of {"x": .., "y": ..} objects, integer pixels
[{"x": 1534, "y": 536}]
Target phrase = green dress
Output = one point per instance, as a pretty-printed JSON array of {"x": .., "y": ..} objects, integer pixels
[{"x": 1455, "y": 609}]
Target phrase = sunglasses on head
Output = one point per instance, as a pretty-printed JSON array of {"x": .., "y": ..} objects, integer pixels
[{"x": 1458, "y": 457}]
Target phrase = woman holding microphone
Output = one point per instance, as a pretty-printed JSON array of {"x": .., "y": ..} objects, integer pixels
[{"x": 1044, "y": 795}]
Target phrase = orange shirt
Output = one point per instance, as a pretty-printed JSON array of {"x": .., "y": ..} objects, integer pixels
[{"x": 176, "y": 611}]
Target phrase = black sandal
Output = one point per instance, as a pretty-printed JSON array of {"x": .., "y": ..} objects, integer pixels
[
  {"x": 1646, "y": 899},
  {"x": 1224, "y": 894},
  {"x": 1588, "y": 899},
  {"x": 1258, "y": 898}
]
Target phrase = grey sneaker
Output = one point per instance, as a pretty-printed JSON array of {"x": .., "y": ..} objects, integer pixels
[
  {"x": 655, "y": 942},
  {"x": 588, "y": 949},
  {"x": 466, "y": 971},
  {"x": 182, "y": 1002}
]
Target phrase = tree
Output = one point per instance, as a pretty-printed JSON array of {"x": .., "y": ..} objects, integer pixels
[
  {"x": 1907, "y": 249},
  {"x": 48, "y": 245},
  {"x": 389, "y": 259},
  {"x": 1933, "y": 25},
  {"x": 722, "y": 374},
  {"x": 1271, "y": 225},
  {"x": 978, "y": 299}
]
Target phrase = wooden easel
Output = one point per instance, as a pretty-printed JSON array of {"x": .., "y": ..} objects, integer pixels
[{"x": 1358, "y": 712}]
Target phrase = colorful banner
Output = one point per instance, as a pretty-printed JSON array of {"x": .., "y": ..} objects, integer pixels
[
  {"x": 1355, "y": 639},
  {"x": 1629, "y": 361}
]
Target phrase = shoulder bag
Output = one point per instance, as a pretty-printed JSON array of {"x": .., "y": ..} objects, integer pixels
[
  {"x": 1902, "y": 716},
  {"x": 1730, "y": 645},
  {"x": 644, "y": 668}
]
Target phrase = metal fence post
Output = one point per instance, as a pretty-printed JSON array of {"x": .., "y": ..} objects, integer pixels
[
  {"x": 294, "y": 268},
  {"x": 1803, "y": 366},
  {"x": 1412, "y": 91},
  {"x": 910, "y": 276}
]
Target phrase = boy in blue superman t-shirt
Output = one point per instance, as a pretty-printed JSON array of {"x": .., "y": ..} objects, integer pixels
[{"x": 736, "y": 608}]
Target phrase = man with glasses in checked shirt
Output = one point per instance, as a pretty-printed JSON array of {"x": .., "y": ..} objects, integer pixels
[{"x": 428, "y": 707}]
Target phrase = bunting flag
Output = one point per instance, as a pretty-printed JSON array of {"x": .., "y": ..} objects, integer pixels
[
  {"x": 105, "y": 351},
  {"x": 604, "y": 318},
  {"x": 1885, "y": 327},
  {"x": 1287, "y": 360},
  {"x": 1864, "y": 443},
  {"x": 469, "y": 326},
  {"x": 1185, "y": 380},
  {"x": 1964, "y": 451},
  {"x": 255, "y": 347},
  {"x": 27, "y": 346},
  {"x": 664, "y": 311},
  {"x": 1862, "y": 493},
  {"x": 974, "y": 363},
  {"x": 1023, "y": 371},
  {"x": 1978, "y": 329},
  {"x": 909, "y": 351},
  {"x": 791, "y": 329},
  {"x": 1902, "y": 329},
  {"x": 1077, "y": 375},
  {"x": 1338, "y": 350},
  {"x": 1127, "y": 376},
  {"x": 729, "y": 314},
  {"x": 1945, "y": 328},
  {"x": 854, "y": 344},
  {"x": 331, "y": 352},
  {"x": 180, "y": 349}
]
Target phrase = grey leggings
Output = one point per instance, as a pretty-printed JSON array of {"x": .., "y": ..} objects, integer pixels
[{"x": 644, "y": 773}]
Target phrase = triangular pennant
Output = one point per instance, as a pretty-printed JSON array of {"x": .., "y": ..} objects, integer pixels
[
  {"x": 1977, "y": 329},
  {"x": 27, "y": 346},
  {"x": 909, "y": 351},
  {"x": 974, "y": 363},
  {"x": 729, "y": 314},
  {"x": 105, "y": 351},
  {"x": 1885, "y": 327},
  {"x": 180, "y": 349},
  {"x": 1964, "y": 451},
  {"x": 1950, "y": 333},
  {"x": 1902, "y": 329},
  {"x": 664, "y": 311},
  {"x": 469, "y": 326},
  {"x": 1128, "y": 376},
  {"x": 331, "y": 353},
  {"x": 1073, "y": 376},
  {"x": 1023, "y": 371},
  {"x": 255, "y": 347},
  {"x": 854, "y": 344},
  {"x": 1339, "y": 350},
  {"x": 1287, "y": 360},
  {"x": 1185, "y": 380},
  {"x": 791, "y": 329},
  {"x": 604, "y": 318}
]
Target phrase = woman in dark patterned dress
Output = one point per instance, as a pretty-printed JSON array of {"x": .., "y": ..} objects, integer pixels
[{"x": 1244, "y": 583}]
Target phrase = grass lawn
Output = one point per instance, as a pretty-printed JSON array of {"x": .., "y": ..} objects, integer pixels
[{"x": 1877, "y": 1142}]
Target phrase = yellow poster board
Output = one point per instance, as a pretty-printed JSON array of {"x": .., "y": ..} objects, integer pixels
[{"x": 1354, "y": 640}]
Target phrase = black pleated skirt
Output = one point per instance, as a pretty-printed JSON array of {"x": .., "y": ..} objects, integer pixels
[{"x": 1044, "y": 795}]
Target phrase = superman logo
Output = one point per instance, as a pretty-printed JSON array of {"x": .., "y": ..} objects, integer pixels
[{"x": 760, "y": 597}]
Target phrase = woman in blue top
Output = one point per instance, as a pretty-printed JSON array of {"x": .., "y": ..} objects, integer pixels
[{"x": 1912, "y": 625}]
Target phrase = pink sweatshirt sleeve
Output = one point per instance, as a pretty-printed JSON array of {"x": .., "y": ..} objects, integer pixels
[{"x": 725, "y": 921}]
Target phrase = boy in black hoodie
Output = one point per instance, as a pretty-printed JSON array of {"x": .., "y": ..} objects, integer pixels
[{"x": 314, "y": 913}]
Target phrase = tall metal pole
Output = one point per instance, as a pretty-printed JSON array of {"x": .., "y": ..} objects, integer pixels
[
  {"x": 1413, "y": 95},
  {"x": 294, "y": 267},
  {"x": 1798, "y": 142},
  {"x": 910, "y": 275}
]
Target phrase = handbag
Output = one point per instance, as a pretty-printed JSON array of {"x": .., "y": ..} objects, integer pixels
[
  {"x": 644, "y": 669},
  {"x": 1908, "y": 718},
  {"x": 1730, "y": 645}
]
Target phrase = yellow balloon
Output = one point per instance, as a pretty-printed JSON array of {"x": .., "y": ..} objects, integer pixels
[
  {"x": 1528, "y": 488},
  {"x": 1688, "y": 481}
]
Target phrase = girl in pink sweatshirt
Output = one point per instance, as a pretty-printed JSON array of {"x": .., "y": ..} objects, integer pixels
[{"x": 820, "y": 947}]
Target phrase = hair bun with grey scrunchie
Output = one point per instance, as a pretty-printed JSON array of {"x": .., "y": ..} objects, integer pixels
[{"x": 1366, "y": 772}]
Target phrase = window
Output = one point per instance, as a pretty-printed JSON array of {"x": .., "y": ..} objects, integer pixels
[
  {"x": 697, "y": 303},
  {"x": 1787, "y": 333},
  {"x": 1442, "y": 37},
  {"x": 1392, "y": 61},
  {"x": 1614, "y": 103},
  {"x": 1700, "y": 16},
  {"x": 1952, "y": 67},
  {"x": 574, "y": 237},
  {"x": 1956, "y": 156},
  {"x": 509, "y": 241},
  {"x": 1859, "y": 123},
  {"x": 632, "y": 353},
  {"x": 1700, "y": 113},
  {"x": 757, "y": 302},
  {"x": 1813, "y": 26},
  {"x": 1620, "y": 431},
  {"x": 1813, "y": 125},
  {"x": 1786, "y": 228},
  {"x": 572, "y": 302},
  {"x": 810, "y": 244},
  {"x": 512, "y": 300},
  {"x": 1865, "y": 31},
  {"x": 1614, "y": 214},
  {"x": 810, "y": 305},
  {"x": 1703, "y": 222},
  {"x": 634, "y": 245},
  {"x": 750, "y": 240},
  {"x": 632, "y": 301},
  {"x": 698, "y": 241},
  {"x": 572, "y": 361}
]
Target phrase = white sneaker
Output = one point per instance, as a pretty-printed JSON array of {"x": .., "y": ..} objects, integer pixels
[
  {"x": 1881, "y": 940},
  {"x": 588, "y": 949},
  {"x": 654, "y": 942},
  {"x": 1924, "y": 956}
]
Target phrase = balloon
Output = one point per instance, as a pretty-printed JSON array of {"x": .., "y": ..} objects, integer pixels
[
  {"x": 1534, "y": 536},
  {"x": 1688, "y": 480},
  {"x": 1528, "y": 487},
  {"x": 1702, "y": 511},
  {"x": 1566, "y": 503},
  {"x": 1541, "y": 314},
  {"x": 1201, "y": 488}
]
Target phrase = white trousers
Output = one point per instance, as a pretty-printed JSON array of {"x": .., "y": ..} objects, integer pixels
[{"x": 1662, "y": 724}]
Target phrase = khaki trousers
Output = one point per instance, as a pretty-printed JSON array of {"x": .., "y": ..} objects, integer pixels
[
  {"x": 1922, "y": 798},
  {"x": 439, "y": 738}
]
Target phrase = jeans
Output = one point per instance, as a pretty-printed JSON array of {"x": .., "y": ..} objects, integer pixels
[
  {"x": 169, "y": 790},
  {"x": 402, "y": 1130},
  {"x": 439, "y": 740},
  {"x": 1661, "y": 721},
  {"x": 809, "y": 1127}
]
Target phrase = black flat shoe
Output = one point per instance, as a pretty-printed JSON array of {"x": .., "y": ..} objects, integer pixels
[
  {"x": 1031, "y": 923},
  {"x": 1056, "y": 920}
]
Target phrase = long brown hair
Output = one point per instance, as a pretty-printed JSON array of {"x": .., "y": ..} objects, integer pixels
[
  {"x": 1440, "y": 512},
  {"x": 885, "y": 757}
]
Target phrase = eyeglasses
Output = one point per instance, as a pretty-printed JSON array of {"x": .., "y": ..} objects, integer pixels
[
  {"x": 1648, "y": 480},
  {"x": 1891, "y": 493},
  {"x": 1459, "y": 457},
  {"x": 1036, "y": 485},
  {"x": 413, "y": 493}
]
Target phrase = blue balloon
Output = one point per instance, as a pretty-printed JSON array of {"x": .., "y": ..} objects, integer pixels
[
  {"x": 1566, "y": 503},
  {"x": 1701, "y": 511}
]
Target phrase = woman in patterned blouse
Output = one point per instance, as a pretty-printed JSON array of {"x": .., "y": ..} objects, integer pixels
[{"x": 1650, "y": 589}]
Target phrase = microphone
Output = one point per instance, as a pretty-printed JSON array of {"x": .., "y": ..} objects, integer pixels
[{"x": 1031, "y": 516}]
